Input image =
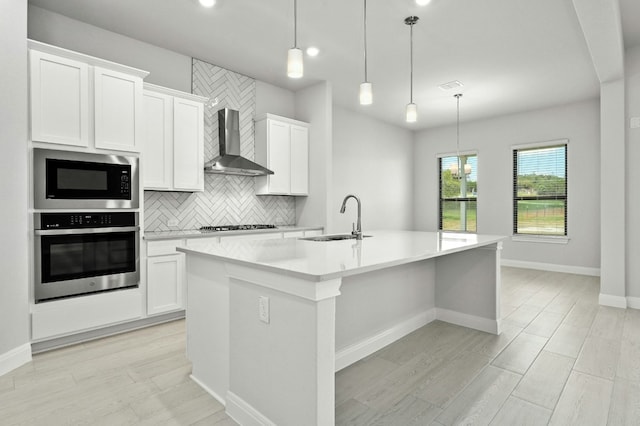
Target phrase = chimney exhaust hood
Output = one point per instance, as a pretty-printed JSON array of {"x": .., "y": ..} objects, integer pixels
[{"x": 229, "y": 162}]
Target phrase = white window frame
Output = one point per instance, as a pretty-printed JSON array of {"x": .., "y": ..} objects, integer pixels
[
  {"x": 439, "y": 156},
  {"x": 549, "y": 239}
]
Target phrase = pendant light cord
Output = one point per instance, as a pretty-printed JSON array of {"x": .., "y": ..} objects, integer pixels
[
  {"x": 295, "y": 24},
  {"x": 457, "y": 96},
  {"x": 411, "y": 84},
  {"x": 365, "y": 41}
]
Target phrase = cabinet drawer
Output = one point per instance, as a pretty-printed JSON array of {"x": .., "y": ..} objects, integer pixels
[
  {"x": 206, "y": 240},
  {"x": 161, "y": 248}
]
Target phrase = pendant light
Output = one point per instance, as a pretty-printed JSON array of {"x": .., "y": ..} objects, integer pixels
[
  {"x": 457, "y": 169},
  {"x": 295, "y": 67},
  {"x": 366, "y": 89},
  {"x": 412, "y": 109}
]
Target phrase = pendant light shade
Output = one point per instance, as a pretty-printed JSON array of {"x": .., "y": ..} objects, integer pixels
[
  {"x": 295, "y": 65},
  {"x": 366, "y": 93},
  {"x": 412, "y": 113},
  {"x": 366, "y": 88},
  {"x": 412, "y": 109}
]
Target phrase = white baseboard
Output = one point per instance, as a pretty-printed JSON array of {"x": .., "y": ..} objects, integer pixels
[
  {"x": 613, "y": 301},
  {"x": 357, "y": 351},
  {"x": 470, "y": 321},
  {"x": 633, "y": 302},
  {"x": 207, "y": 389},
  {"x": 552, "y": 267},
  {"x": 243, "y": 413},
  {"x": 15, "y": 358}
]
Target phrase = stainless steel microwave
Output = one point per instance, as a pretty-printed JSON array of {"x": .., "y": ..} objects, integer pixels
[{"x": 79, "y": 180}]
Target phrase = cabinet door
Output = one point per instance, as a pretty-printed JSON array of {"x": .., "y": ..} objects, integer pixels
[
  {"x": 188, "y": 145},
  {"x": 118, "y": 110},
  {"x": 299, "y": 160},
  {"x": 165, "y": 283},
  {"x": 279, "y": 153},
  {"x": 59, "y": 100},
  {"x": 158, "y": 139}
]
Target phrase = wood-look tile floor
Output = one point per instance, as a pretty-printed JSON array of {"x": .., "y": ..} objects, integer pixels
[{"x": 561, "y": 360}]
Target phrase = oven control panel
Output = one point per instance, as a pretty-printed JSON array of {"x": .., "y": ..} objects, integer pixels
[{"x": 85, "y": 220}]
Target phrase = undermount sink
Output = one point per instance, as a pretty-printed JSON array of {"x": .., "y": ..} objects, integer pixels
[{"x": 335, "y": 237}]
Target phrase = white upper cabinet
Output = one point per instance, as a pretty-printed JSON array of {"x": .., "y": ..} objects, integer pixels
[
  {"x": 59, "y": 99},
  {"x": 158, "y": 141},
  {"x": 118, "y": 110},
  {"x": 173, "y": 155},
  {"x": 282, "y": 145},
  {"x": 82, "y": 101},
  {"x": 299, "y": 160}
]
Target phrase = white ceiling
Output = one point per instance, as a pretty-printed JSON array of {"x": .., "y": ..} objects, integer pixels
[{"x": 511, "y": 55}]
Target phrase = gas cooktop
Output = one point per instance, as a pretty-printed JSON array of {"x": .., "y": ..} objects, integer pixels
[{"x": 235, "y": 227}]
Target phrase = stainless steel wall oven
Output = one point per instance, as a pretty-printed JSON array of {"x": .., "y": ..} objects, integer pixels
[
  {"x": 80, "y": 180},
  {"x": 80, "y": 253}
]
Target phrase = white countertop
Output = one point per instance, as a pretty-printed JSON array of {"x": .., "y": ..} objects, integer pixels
[
  {"x": 196, "y": 233},
  {"x": 320, "y": 260}
]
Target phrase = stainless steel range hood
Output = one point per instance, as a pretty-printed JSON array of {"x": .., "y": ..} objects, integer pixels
[{"x": 229, "y": 162}]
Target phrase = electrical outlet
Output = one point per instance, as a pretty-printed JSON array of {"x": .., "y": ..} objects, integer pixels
[
  {"x": 634, "y": 122},
  {"x": 263, "y": 309},
  {"x": 172, "y": 222}
]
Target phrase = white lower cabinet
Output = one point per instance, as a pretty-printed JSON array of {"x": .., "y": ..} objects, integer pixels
[
  {"x": 166, "y": 287},
  {"x": 165, "y": 283}
]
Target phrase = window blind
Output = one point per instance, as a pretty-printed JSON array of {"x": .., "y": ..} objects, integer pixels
[{"x": 540, "y": 190}]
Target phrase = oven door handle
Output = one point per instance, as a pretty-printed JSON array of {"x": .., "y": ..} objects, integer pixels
[{"x": 85, "y": 230}]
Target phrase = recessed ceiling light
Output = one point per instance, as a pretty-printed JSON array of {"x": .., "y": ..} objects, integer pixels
[
  {"x": 423, "y": 2},
  {"x": 313, "y": 51},
  {"x": 208, "y": 3},
  {"x": 451, "y": 85}
]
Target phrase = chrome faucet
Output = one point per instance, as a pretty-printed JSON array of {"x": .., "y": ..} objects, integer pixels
[{"x": 357, "y": 231}]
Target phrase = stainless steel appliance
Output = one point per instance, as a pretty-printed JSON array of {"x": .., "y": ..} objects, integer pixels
[
  {"x": 79, "y": 180},
  {"x": 230, "y": 162},
  {"x": 80, "y": 253}
]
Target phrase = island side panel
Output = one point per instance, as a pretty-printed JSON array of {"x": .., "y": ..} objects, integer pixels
[
  {"x": 377, "y": 308},
  {"x": 281, "y": 372},
  {"x": 468, "y": 288},
  {"x": 207, "y": 316}
]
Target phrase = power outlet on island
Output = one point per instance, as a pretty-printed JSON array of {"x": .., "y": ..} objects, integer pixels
[{"x": 263, "y": 309}]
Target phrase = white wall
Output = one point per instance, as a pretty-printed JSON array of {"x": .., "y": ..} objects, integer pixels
[
  {"x": 493, "y": 139},
  {"x": 632, "y": 73},
  {"x": 14, "y": 233},
  {"x": 166, "y": 68},
  {"x": 373, "y": 160},
  {"x": 274, "y": 100},
  {"x": 613, "y": 182},
  {"x": 314, "y": 105}
]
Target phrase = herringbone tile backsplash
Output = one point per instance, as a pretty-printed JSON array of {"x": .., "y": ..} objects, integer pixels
[{"x": 226, "y": 200}]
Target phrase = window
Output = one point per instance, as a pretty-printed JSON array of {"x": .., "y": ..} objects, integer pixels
[
  {"x": 458, "y": 193},
  {"x": 540, "y": 190}
]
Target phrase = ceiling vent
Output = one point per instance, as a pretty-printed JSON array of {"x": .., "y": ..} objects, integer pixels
[{"x": 455, "y": 84}]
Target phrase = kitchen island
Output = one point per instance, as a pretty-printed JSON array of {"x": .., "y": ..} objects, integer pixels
[{"x": 270, "y": 321}]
